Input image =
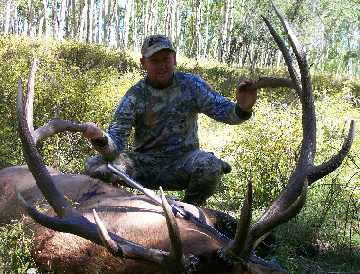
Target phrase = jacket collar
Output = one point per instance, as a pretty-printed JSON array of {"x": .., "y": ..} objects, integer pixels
[{"x": 159, "y": 86}]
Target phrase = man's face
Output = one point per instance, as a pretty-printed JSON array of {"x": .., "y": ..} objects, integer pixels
[{"x": 160, "y": 66}]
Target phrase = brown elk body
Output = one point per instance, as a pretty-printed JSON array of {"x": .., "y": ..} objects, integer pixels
[
  {"x": 144, "y": 237},
  {"x": 136, "y": 218}
]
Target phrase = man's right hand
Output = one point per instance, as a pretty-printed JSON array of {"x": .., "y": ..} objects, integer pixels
[{"x": 92, "y": 131}]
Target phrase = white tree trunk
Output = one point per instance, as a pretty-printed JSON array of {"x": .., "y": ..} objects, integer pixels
[
  {"x": 94, "y": 24},
  {"x": 357, "y": 60},
  {"x": 67, "y": 19},
  {"x": 146, "y": 19},
  {"x": 167, "y": 17},
  {"x": 90, "y": 22},
  {"x": 154, "y": 17},
  {"x": 225, "y": 30},
  {"x": 106, "y": 21},
  {"x": 55, "y": 26},
  {"x": 74, "y": 20},
  {"x": 126, "y": 25},
  {"x": 100, "y": 31},
  {"x": 220, "y": 38},
  {"x": 15, "y": 18},
  {"x": 206, "y": 38},
  {"x": 7, "y": 17},
  {"x": 134, "y": 29},
  {"x": 117, "y": 23},
  {"x": 46, "y": 19},
  {"x": 173, "y": 21},
  {"x": 198, "y": 29},
  {"x": 31, "y": 26},
  {"x": 178, "y": 24},
  {"x": 82, "y": 20},
  {"x": 230, "y": 26},
  {"x": 41, "y": 17},
  {"x": 62, "y": 19}
]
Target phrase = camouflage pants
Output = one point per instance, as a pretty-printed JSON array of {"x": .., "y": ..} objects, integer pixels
[{"x": 197, "y": 171}]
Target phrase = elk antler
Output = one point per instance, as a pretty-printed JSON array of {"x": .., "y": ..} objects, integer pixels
[
  {"x": 71, "y": 220},
  {"x": 271, "y": 82},
  {"x": 284, "y": 207},
  {"x": 51, "y": 128},
  {"x": 238, "y": 245}
]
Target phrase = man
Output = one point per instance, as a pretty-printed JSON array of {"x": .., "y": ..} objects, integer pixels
[{"x": 163, "y": 108}]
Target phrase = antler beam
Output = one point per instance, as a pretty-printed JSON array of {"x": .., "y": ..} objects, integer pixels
[{"x": 285, "y": 207}]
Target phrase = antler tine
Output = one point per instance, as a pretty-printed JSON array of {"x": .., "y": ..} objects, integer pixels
[
  {"x": 293, "y": 71},
  {"x": 318, "y": 172},
  {"x": 271, "y": 82},
  {"x": 43, "y": 179},
  {"x": 29, "y": 108},
  {"x": 260, "y": 228},
  {"x": 307, "y": 98},
  {"x": 306, "y": 160},
  {"x": 176, "y": 250},
  {"x": 107, "y": 242},
  {"x": 297, "y": 48},
  {"x": 51, "y": 128},
  {"x": 129, "y": 251},
  {"x": 55, "y": 126},
  {"x": 236, "y": 248}
]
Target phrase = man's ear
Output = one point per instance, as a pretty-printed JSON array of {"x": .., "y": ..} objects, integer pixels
[
  {"x": 142, "y": 62},
  {"x": 174, "y": 55}
]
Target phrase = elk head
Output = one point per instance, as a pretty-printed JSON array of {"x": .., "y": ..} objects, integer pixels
[{"x": 236, "y": 255}]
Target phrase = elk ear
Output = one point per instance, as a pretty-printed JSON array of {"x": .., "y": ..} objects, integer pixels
[{"x": 176, "y": 250}]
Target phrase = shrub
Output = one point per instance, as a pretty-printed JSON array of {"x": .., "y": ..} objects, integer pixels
[
  {"x": 88, "y": 81},
  {"x": 83, "y": 93},
  {"x": 16, "y": 246}
]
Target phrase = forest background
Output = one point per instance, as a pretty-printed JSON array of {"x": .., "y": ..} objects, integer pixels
[
  {"x": 229, "y": 31},
  {"x": 88, "y": 56}
]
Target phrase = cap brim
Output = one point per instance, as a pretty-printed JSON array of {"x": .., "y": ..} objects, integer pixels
[{"x": 151, "y": 52}]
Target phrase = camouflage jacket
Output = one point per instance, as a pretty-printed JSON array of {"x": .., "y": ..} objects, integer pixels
[{"x": 165, "y": 117}]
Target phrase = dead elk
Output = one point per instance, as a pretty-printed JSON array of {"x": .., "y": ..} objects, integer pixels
[{"x": 139, "y": 241}]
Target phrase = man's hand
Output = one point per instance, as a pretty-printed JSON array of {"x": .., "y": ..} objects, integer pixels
[
  {"x": 246, "y": 98},
  {"x": 92, "y": 131}
]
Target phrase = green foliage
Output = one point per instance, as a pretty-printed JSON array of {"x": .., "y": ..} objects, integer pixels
[
  {"x": 15, "y": 248},
  {"x": 89, "y": 56},
  {"x": 262, "y": 150},
  {"x": 80, "y": 80},
  {"x": 88, "y": 82}
]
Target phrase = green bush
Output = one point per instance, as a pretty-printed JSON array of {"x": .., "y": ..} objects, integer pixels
[
  {"x": 88, "y": 81},
  {"x": 16, "y": 246},
  {"x": 85, "y": 82}
]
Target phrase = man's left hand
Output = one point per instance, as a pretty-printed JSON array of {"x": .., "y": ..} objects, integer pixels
[{"x": 246, "y": 98}]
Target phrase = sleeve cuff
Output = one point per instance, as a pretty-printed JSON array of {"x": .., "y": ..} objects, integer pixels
[{"x": 242, "y": 114}]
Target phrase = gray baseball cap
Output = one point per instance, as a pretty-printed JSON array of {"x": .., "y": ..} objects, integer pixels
[{"x": 154, "y": 43}]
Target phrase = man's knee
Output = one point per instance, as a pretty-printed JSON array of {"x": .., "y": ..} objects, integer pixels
[
  {"x": 206, "y": 166},
  {"x": 205, "y": 171}
]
